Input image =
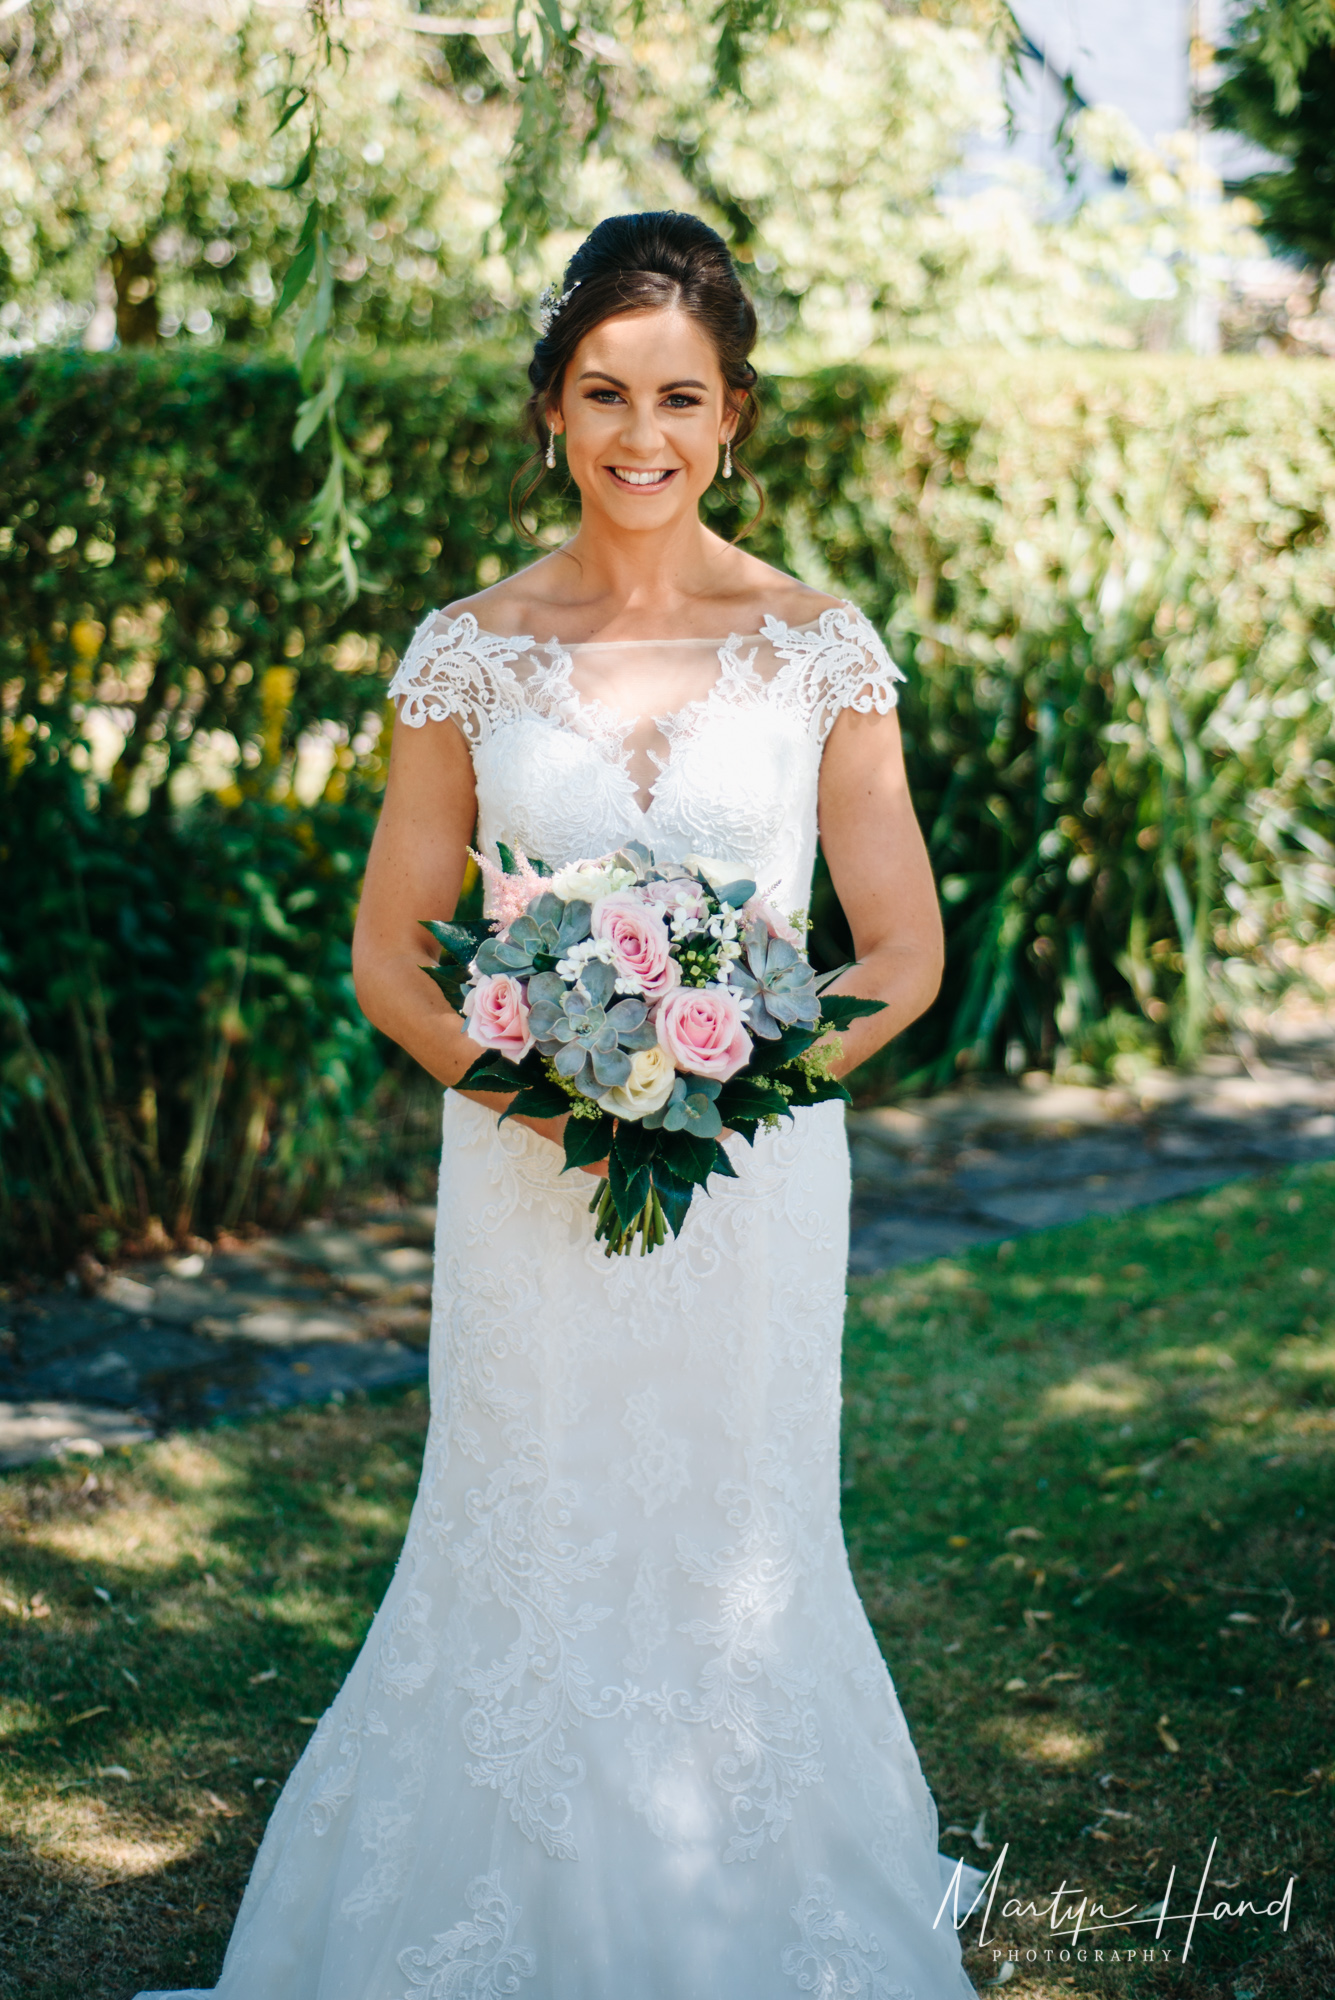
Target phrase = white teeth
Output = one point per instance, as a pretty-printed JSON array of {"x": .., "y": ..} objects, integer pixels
[{"x": 639, "y": 478}]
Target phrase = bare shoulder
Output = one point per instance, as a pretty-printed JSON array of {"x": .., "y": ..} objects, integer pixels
[
  {"x": 761, "y": 590},
  {"x": 516, "y": 606}
]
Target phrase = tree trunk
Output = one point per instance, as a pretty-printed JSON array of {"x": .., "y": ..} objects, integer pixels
[{"x": 135, "y": 276}]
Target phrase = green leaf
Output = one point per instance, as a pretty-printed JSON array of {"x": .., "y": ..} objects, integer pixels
[
  {"x": 633, "y": 1146},
  {"x": 297, "y": 273},
  {"x": 747, "y": 1097},
  {"x": 493, "y": 1072},
  {"x": 674, "y": 1193},
  {"x": 722, "y": 1164},
  {"x": 312, "y": 412},
  {"x": 826, "y": 1088},
  {"x": 303, "y": 170},
  {"x": 508, "y": 862},
  {"x": 630, "y": 1191},
  {"x": 450, "y": 978},
  {"x": 461, "y": 940},
  {"x": 586, "y": 1139},
  {"x": 538, "y": 1100},
  {"x": 838, "y": 1009},
  {"x": 692, "y": 1160},
  {"x": 311, "y": 328},
  {"x": 768, "y": 1056},
  {"x": 292, "y": 110}
]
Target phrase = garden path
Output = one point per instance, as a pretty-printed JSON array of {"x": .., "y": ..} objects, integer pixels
[{"x": 339, "y": 1307}]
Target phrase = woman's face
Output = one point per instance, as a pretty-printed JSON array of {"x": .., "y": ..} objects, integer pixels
[{"x": 644, "y": 414}]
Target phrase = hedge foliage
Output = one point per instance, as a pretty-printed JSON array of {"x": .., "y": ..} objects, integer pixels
[{"x": 1110, "y": 583}]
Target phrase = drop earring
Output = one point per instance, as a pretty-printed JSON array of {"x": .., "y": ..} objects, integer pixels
[
  {"x": 551, "y": 450},
  {"x": 727, "y": 458}
]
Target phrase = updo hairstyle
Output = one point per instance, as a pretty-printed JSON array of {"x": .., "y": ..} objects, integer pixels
[{"x": 657, "y": 261}]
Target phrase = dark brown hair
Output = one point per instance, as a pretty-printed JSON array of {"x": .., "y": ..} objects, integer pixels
[{"x": 630, "y": 263}]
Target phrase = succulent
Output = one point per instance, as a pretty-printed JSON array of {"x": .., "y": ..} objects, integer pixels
[
  {"x": 587, "y": 1041},
  {"x": 534, "y": 942},
  {"x": 691, "y": 1108},
  {"x": 776, "y": 982}
]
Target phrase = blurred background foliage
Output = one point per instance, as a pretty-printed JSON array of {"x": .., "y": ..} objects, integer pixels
[
  {"x": 145, "y": 196},
  {"x": 1110, "y": 586}
]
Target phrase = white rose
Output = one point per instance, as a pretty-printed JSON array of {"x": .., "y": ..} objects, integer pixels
[{"x": 646, "y": 1089}]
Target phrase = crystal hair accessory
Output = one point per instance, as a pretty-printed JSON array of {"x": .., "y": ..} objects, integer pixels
[{"x": 551, "y": 302}]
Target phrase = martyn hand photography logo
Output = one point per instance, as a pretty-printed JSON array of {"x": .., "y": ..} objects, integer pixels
[{"x": 1072, "y": 1915}]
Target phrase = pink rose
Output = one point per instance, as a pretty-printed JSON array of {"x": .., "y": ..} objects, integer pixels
[
  {"x": 639, "y": 940},
  {"x": 701, "y": 1029},
  {"x": 497, "y": 1015},
  {"x": 682, "y": 894},
  {"x": 776, "y": 925}
]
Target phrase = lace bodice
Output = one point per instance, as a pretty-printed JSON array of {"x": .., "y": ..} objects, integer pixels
[{"x": 703, "y": 746}]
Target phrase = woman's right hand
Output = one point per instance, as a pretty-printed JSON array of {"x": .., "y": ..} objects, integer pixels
[{"x": 552, "y": 1129}]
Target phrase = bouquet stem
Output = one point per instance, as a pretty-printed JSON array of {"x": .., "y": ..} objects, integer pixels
[{"x": 648, "y": 1227}]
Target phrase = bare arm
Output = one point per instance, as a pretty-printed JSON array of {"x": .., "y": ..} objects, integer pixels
[
  {"x": 878, "y": 863},
  {"x": 415, "y": 870}
]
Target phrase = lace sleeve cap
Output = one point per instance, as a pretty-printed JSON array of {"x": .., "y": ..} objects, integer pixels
[
  {"x": 860, "y": 674},
  {"x": 840, "y": 663},
  {"x": 453, "y": 669}
]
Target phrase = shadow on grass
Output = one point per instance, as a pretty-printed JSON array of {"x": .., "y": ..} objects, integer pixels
[
  {"x": 1090, "y": 1503},
  {"x": 178, "y": 1619},
  {"x": 1088, "y": 1497}
]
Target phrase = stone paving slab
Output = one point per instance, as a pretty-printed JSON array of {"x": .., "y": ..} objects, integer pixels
[
  {"x": 979, "y": 1165},
  {"x": 331, "y": 1311},
  {"x": 30, "y": 1430},
  {"x": 341, "y": 1305}
]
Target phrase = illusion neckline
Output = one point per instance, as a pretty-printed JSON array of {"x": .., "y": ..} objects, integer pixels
[{"x": 526, "y": 639}]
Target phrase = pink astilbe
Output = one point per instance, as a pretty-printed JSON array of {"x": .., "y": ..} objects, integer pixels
[{"x": 505, "y": 897}]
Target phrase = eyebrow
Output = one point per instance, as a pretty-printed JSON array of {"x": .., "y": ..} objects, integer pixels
[{"x": 600, "y": 375}]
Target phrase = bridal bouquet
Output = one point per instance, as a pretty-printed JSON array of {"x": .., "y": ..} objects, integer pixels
[{"x": 657, "y": 1004}]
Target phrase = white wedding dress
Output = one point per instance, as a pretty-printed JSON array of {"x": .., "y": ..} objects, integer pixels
[{"x": 621, "y": 1729}]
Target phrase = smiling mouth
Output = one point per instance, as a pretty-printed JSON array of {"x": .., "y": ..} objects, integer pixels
[{"x": 626, "y": 475}]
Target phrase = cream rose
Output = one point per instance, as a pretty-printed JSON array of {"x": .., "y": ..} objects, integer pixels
[
  {"x": 717, "y": 873},
  {"x": 646, "y": 1089},
  {"x": 586, "y": 881}
]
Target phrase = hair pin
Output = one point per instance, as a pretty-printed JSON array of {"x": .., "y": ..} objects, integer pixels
[{"x": 550, "y": 304}]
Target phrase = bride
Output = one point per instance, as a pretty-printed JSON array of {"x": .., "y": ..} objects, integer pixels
[{"x": 621, "y": 1729}]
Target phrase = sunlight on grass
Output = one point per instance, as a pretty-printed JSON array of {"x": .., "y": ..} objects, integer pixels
[
  {"x": 1066, "y": 1467},
  {"x": 1201, "y": 1356},
  {"x": 1104, "y": 1387},
  {"x": 1034, "y": 1741},
  {"x": 1090, "y": 1506},
  {"x": 82, "y": 1842},
  {"x": 1307, "y": 1356}
]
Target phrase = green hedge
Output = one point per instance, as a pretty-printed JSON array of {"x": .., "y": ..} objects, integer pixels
[{"x": 1109, "y": 581}]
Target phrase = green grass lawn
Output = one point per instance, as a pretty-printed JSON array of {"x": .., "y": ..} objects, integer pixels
[{"x": 1088, "y": 1495}]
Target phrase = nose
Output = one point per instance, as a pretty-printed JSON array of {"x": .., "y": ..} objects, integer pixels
[{"x": 641, "y": 432}]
